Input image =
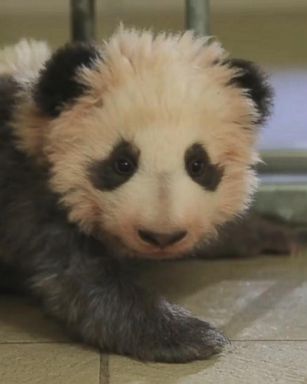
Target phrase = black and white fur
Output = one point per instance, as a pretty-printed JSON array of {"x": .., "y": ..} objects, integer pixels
[{"x": 70, "y": 254}]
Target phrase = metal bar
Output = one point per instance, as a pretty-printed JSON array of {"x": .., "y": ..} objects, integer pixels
[
  {"x": 283, "y": 187},
  {"x": 198, "y": 16},
  {"x": 283, "y": 162},
  {"x": 82, "y": 20},
  {"x": 286, "y": 201}
]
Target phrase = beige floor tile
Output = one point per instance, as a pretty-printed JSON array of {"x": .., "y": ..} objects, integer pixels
[
  {"x": 249, "y": 299},
  {"x": 244, "y": 363},
  {"x": 22, "y": 321},
  {"x": 286, "y": 318},
  {"x": 48, "y": 364}
]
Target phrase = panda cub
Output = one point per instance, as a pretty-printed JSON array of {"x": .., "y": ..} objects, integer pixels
[{"x": 141, "y": 147}]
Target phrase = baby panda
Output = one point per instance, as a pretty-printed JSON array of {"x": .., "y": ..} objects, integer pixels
[{"x": 141, "y": 147}]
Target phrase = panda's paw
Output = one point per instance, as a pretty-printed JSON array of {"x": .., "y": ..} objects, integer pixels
[
  {"x": 198, "y": 341},
  {"x": 185, "y": 340}
]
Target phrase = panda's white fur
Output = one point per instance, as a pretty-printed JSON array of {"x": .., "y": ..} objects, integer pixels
[
  {"x": 24, "y": 60},
  {"x": 163, "y": 95}
]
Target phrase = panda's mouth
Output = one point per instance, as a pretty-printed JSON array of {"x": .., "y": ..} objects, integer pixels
[
  {"x": 164, "y": 254},
  {"x": 132, "y": 244},
  {"x": 141, "y": 250},
  {"x": 132, "y": 249}
]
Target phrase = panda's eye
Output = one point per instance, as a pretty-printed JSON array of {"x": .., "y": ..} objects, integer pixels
[
  {"x": 124, "y": 166},
  {"x": 200, "y": 168},
  {"x": 196, "y": 167},
  {"x": 115, "y": 170}
]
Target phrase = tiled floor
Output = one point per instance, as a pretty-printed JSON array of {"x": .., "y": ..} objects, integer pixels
[{"x": 261, "y": 304}]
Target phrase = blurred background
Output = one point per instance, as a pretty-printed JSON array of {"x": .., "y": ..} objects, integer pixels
[{"x": 272, "y": 33}]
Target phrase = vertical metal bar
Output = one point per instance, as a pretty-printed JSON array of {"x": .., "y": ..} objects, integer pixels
[
  {"x": 197, "y": 16},
  {"x": 82, "y": 20}
]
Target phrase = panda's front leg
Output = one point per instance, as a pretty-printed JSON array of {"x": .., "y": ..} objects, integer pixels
[{"x": 101, "y": 304}]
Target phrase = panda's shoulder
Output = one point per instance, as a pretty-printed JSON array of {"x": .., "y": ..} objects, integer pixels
[{"x": 8, "y": 97}]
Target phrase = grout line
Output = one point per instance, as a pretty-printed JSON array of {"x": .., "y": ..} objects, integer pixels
[
  {"x": 267, "y": 340},
  {"x": 106, "y": 363},
  {"x": 104, "y": 373},
  {"x": 75, "y": 343},
  {"x": 37, "y": 342}
]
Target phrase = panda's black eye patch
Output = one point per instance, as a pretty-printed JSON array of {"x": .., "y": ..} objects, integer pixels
[
  {"x": 108, "y": 174},
  {"x": 200, "y": 168}
]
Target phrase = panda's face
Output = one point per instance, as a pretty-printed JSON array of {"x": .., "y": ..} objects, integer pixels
[
  {"x": 157, "y": 153},
  {"x": 157, "y": 167}
]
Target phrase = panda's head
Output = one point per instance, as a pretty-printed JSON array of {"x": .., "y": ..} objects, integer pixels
[{"x": 150, "y": 140}]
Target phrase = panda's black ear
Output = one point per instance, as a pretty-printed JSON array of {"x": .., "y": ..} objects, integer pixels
[
  {"x": 58, "y": 84},
  {"x": 251, "y": 78}
]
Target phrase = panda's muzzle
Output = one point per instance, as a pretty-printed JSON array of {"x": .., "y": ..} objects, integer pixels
[{"x": 161, "y": 240}]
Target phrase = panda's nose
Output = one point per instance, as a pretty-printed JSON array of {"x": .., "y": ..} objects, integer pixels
[{"x": 161, "y": 240}]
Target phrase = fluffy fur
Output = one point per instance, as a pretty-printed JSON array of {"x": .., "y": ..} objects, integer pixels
[
  {"x": 24, "y": 60},
  {"x": 182, "y": 118}
]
